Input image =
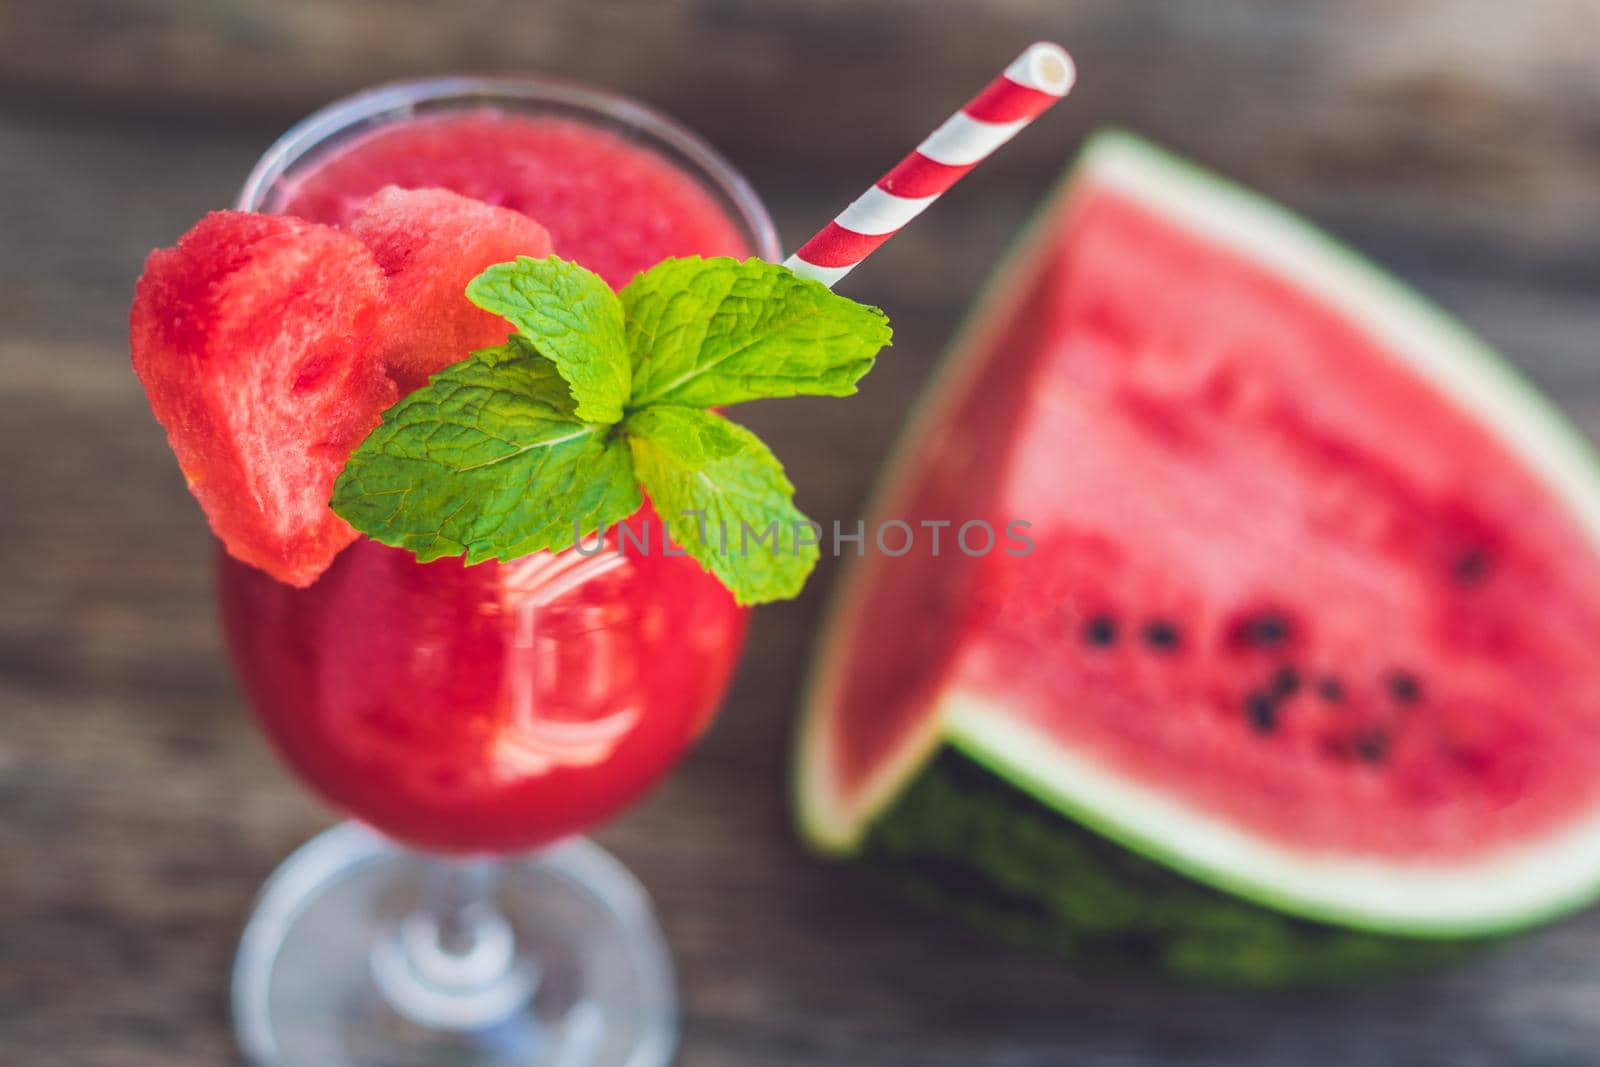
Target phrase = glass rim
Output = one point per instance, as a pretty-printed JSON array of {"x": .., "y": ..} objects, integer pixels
[{"x": 400, "y": 99}]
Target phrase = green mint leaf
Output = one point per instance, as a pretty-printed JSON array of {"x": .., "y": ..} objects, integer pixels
[
  {"x": 572, "y": 317},
  {"x": 713, "y": 332},
  {"x": 744, "y": 527},
  {"x": 489, "y": 459}
]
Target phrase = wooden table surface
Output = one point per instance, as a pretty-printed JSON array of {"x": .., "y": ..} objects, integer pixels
[{"x": 1457, "y": 140}]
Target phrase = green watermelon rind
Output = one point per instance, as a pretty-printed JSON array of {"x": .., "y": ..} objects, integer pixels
[
  {"x": 966, "y": 842},
  {"x": 1438, "y": 348},
  {"x": 979, "y": 746}
]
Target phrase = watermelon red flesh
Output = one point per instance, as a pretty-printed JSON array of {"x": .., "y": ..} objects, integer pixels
[
  {"x": 1206, "y": 446},
  {"x": 254, "y": 338},
  {"x": 1373, "y": 619},
  {"x": 430, "y": 244}
]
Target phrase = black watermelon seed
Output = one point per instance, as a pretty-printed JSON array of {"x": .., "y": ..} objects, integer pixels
[
  {"x": 1372, "y": 746},
  {"x": 1286, "y": 683},
  {"x": 1100, "y": 631},
  {"x": 1330, "y": 689},
  {"x": 1262, "y": 711},
  {"x": 1161, "y": 635},
  {"x": 1404, "y": 687},
  {"x": 1266, "y": 630},
  {"x": 1471, "y": 567}
]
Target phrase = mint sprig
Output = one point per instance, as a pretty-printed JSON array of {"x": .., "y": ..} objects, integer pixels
[{"x": 532, "y": 444}]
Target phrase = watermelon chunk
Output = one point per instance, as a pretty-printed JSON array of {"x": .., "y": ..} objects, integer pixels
[
  {"x": 255, "y": 340},
  {"x": 431, "y": 243},
  {"x": 1298, "y": 680}
]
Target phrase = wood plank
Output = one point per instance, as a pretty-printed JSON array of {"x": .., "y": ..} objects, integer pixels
[{"x": 1457, "y": 107}]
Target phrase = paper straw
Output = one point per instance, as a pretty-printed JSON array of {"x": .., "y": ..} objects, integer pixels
[{"x": 1037, "y": 79}]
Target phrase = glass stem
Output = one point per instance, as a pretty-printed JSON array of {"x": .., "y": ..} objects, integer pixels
[
  {"x": 452, "y": 962},
  {"x": 458, "y": 903}
]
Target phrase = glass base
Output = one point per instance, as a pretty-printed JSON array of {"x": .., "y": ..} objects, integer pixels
[{"x": 342, "y": 964}]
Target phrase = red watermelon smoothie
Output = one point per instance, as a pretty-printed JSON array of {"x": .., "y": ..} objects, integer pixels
[
  {"x": 485, "y": 710},
  {"x": 497, "y": 707}
]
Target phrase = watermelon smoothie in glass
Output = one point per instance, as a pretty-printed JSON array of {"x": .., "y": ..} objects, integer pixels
[{"x": 471, "y": 713}]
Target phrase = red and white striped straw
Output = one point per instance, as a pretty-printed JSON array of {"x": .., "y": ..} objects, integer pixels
[{"x": 1037, "y": 79}]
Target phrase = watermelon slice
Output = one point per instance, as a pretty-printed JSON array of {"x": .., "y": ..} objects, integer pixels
[
  {"x": 431, "y": 243},
  {"x": 255, "y": 340},
  {"x": 1298, "y": 680}
]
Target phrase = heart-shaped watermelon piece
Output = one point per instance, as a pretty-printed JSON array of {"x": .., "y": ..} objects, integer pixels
[
  {"x": 256, "y": 340},
  {"x": 430, "y": 244}
]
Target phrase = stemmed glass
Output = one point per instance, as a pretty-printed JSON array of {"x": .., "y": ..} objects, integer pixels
[{"x": 474, "y": 719}]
